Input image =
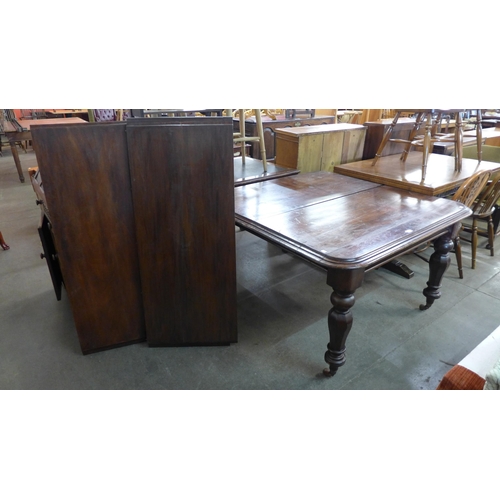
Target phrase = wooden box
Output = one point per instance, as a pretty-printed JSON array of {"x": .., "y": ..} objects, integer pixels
[
  {"x": 321, "y": 147},
  {"x": 269, "y": 125}
]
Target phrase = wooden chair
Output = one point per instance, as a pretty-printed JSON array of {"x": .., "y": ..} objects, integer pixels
[
  {"x": 240, "y": 137},
  {"x": 483, "y": 209},
  {"x": 2, "y": 242},
  {"x": 432, "y": 134},
  {"x": 467, "y": 194},
  {"x": 109, "y": 115}
]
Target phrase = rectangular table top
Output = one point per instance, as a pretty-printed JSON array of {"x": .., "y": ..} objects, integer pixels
[
  {"x": 26, "y": 124},
  {"x": 65, "y": 111},
  {"x": 440, "y": 177},
  {"x": 318, "y": 129},
  {"x": 336, "y": 221}
]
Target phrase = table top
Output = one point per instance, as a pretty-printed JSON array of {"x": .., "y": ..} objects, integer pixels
[
  {"x": 283, "y": 118},
  {"x": 253, "y": 171},
  {"x": 65, "y": 111},
  {"x": 338, "y": 222},
  {"x": 193, "y": 110},
  {"x": 440, "y": 177},
  {"x": 318, "y": 129},
  {"x": 26, "y": 124},
  {"x": 385, "y": 122}
]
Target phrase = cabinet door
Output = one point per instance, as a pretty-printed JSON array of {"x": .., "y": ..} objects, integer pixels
[
  {"x": 332, "y": 150},
  {"x": 354, "y": 141},
  {"x": 50, "y": 255},
  {"x": 183, "y": 192},
  {"x": 310, "y": 153}
]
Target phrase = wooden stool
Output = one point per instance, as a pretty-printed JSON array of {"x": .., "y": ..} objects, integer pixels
[
  {"x": 432, "y": 134},
  {"x": 241, "y": 137}
]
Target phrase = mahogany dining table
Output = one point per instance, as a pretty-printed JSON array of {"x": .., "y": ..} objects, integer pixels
[
  {"x": 14, "y": 135},
  {"x": 329, "y": 220}
]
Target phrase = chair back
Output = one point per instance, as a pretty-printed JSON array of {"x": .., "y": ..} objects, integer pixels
[
  {"x": 488, "y": 198},
  {"x": 469, "y": 191},
  {"x": 104, "y": 115}
]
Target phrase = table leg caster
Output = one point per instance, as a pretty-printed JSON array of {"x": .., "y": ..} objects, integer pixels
[{"x": 330, "y": 372}]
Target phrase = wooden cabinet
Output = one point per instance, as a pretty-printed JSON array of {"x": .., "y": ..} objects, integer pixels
[
  {"x": 269, "y": 125},
  {"x": 143, "y": 223},
  {"x": 321, "y": 147}
]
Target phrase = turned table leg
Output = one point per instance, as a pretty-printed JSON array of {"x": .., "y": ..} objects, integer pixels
[
  {"x": 344, "y": 283},
  {"x": 438, "y": 264},
  {"x": 17, "y": 161}
]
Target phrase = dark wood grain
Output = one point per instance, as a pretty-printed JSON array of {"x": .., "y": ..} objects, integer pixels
[
  {"x": 86, "y": 182},
  {"x": 183, "y": 191},
  {"x": 330, "y": 221}
]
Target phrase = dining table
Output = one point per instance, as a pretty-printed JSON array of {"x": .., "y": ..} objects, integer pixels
[
  {"x": 441, "y": 179},
  {"x": 330, "y": 221},
  {"x": 65, "y": 113},
  {"x": 21, "y": 131}
]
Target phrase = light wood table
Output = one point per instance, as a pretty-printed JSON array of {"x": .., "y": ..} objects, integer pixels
[
  {"x": 13, "y": 135},
  {"x": 441, "y": 178},
  {"x": 328, "y": 219},
  {"x": 66, "y": 112}
]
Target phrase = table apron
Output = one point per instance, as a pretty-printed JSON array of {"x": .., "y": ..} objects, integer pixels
[{"x": 304, "y": 252}]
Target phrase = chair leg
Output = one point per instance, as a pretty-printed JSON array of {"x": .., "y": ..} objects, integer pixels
[
  {"x": 459, "y": 142},
  {"x": 260, "y": 133},
  {"x": 491, "y": 235},
  {"x": 2, "y": 242},
  {"x": 243, "y": 134},
  {"x": 458, "y": 254},
  {"x": 479, "y": 134},
  {"x": 418, "y": 123},
  {"x": 427, "y": 145},
  {"x": 474, "y": 243},
  {"x": 386, "y": 138}
]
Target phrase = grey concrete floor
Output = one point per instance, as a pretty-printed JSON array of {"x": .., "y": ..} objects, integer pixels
[{"x": 282, "y": 322}]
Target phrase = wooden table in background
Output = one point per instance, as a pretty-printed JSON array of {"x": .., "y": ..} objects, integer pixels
[
  {"x": 441, "y": 177},
  {"x": 181, "y": 112},
  {"x": 80, "y": 113},
  {"x": 14, "y": 135},
  {"x": 329, "y": 220}
]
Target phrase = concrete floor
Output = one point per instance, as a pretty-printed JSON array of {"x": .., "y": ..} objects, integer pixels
[{"x": 282, "y": 310}]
